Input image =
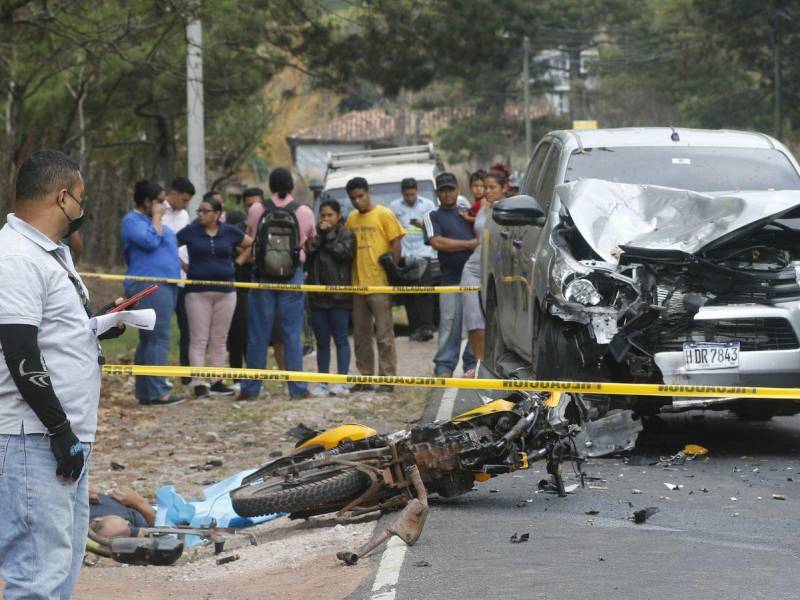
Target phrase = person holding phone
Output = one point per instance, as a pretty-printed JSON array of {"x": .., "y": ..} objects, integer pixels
[
  {"x": 213, "y": 249},
  {"x": 151, "y": 250}
]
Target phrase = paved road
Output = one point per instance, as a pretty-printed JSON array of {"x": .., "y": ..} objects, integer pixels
[{"x": 722, "y": 535}]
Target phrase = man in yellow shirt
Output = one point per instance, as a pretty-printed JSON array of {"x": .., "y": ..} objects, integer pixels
[{"x": 377, "y": 232}]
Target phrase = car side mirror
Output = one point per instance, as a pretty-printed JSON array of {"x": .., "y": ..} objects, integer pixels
[{"x": 518, "y": 210}]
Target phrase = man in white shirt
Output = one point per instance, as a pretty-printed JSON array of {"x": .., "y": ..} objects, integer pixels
[
  {"x": 176, "y": 218},
  {"x": 49, "y": 384},
  {"x": 410, "y": 209}
]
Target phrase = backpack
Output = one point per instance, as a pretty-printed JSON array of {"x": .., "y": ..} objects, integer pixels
[{"x": 276, "y": 249}]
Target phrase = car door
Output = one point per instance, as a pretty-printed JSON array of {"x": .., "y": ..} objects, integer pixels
[
  {"x": 525, "y": 244},
  {"x": 502, "y": 247}
]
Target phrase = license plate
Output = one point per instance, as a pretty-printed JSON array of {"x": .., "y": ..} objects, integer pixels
[{"x": 708, "y": 355}]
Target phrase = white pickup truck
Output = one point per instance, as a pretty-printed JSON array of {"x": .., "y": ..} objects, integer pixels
[{"x": 383, "y": 169}]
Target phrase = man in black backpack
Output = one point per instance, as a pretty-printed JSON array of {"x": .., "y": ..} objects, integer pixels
[{"x": 283, "y": 228}]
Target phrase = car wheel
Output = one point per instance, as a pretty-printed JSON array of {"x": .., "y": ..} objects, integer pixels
[
  {"x": 494, "y": 347},
  {"x": 550, "y": 354}
]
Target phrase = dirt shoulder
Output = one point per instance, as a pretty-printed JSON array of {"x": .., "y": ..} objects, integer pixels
[{"x": 179, "y": 444}]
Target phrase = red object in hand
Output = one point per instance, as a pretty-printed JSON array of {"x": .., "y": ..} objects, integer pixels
[{"x": 128, "y": 302}]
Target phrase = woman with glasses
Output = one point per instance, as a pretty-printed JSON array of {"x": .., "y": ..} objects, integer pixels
[{"x": 213, "y": 248}]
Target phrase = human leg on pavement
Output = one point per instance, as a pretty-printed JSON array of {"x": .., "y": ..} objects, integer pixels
[
  {"x": 153, "y": 346},
  {"x": 183, "y": 326},
  {"x": 199, "y": 306},
  {"x": 449, "y": 340},
  {"x": 291, "y": 316},
  {"x": 340, "y": 320},
  {"x": 43, "y": 538},
  {"x": 381, "y": 308},
  {"x": 261, "y": 310},
  {"x": 237, "y": 336},
  {"x": 320, "y": 322},
  {"x": 363, "y": 335},
  {"x": 224, "y": 303}
]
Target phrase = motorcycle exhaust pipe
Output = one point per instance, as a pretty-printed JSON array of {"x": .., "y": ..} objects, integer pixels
[{"x": 408, "y": 526}]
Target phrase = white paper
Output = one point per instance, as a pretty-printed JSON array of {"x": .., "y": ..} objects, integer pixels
[{"x": 139, "y": 319}]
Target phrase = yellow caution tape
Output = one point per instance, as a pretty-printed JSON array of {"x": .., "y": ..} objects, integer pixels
[
  {"x": 618, "y": 389},
  {"x": 296, "y": 287}
]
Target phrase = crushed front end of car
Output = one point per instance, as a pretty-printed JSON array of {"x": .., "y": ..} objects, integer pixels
[{"x": 662, "y": 285}]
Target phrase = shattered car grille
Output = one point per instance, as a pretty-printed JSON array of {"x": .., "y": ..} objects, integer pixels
[{"x": 752, "y": 334}]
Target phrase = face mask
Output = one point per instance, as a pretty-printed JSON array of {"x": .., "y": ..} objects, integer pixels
[{"x": 74, "y": 224}]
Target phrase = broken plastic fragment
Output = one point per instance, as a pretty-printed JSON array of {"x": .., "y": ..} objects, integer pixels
[
  {"x": 520, "y": 539},
  {"x": 673, "y": 486},
  {"x": 694, "y": 450},
  {"x": 635, "y": 491},
  {"x": 640, "y": 516},
  {"x": 778, "y": 497}
]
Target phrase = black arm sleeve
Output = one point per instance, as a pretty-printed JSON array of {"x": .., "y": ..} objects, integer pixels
[{"x": 21, "y": 351}]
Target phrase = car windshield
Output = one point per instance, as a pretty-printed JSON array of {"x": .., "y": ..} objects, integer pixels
[
  {"x": 382, "y": 193},
  {"x": 697, "y": 169}
]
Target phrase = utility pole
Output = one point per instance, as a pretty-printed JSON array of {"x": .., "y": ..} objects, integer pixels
[
  {"x": 195, "y": 126},
  {"x": 526, "y": 90},
  {"x": 776, "y": 57}
]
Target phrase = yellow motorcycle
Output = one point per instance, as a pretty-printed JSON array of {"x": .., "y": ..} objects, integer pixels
[{"x": 351, "y": 469}]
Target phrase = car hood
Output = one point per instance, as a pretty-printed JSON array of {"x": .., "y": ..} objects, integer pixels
[{"x": 609, "y": 215}]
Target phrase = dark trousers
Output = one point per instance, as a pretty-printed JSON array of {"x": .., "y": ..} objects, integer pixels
[
  {"x": 331, "y": 323},
  {"x": 419, "y": 307},
  {"x": 183, "y": 327},
  {"x": 237, "y": 336}
]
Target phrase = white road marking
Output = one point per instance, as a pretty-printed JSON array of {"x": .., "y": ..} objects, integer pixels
[
  {"x": 385, "y": 585},
  {"x": 446, "y": 405}
]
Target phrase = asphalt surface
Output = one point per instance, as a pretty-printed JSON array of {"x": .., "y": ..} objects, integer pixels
[{"x": 721, "y": 535}]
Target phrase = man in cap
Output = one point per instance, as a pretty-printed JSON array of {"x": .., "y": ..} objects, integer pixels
[{"x": 454, "y": 240}]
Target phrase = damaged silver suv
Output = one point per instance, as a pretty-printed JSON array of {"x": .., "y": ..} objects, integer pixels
[{"x": 649, "y": 255}]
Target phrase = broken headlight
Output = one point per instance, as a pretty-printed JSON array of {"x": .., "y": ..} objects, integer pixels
[{"x": 583, "y": 292}]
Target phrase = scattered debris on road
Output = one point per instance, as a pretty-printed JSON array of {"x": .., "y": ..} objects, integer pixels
[
  {"x": 521, "y": 539},
  {"x": 673, "y": 486},
  {"x": 222, "y": 560},
  {"x": 422, "y": 563},
  {"x": 778, "y": 497},
  {"x": 641, "y": 516}
]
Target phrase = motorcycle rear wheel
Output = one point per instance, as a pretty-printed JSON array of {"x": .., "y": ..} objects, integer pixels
[{"x": 326, "y": 493}]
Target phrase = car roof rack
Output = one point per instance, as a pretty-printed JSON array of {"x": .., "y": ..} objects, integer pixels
[{"x": 361, "y": 158}]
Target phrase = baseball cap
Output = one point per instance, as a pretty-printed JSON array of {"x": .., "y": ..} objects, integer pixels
[{"x": 446, "y": 180}]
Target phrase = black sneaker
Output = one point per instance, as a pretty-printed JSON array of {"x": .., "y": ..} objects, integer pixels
[
  {"x": 169, "y": 399},
  {"x": 425, "y": 334},
  {"x": 383, "y": 388},
  {"x": 200, "y": 391},
  {"x": 220, "y": 389},
  {"x": 362, "y": 387}
]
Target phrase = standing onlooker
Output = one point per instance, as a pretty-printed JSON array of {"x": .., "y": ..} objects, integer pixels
[
  {"x": 377, "y": 232},
  {"x": 452, "y": 237},
  {"x": 176, "y": 217},
  {"x": 283, "y": 227},
  {"x": 410, "y": 209},
  {"x": 151, "y": 250},
  {"x": 49, "y": 384},
  {"x": 496, "y": 185},
  {"x": 213, "y": 246},
  {"x": 330, "y": 262},
  {"x": 237, "y": 337}
]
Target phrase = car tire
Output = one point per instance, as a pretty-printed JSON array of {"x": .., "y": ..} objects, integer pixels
[
  {"x": 494, "y": 348},
  {"x": 550, "y": 349}
]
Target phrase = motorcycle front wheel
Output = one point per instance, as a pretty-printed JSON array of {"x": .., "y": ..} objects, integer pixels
[{"x": 318, "y": 492}]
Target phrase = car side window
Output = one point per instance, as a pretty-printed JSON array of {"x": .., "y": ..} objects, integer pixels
[
  {"x": 547, "y": 188},
  {"x": 535, "y": 169}
]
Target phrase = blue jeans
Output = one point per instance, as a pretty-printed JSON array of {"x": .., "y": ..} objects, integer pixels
[
  {"x": 153, "y": 348},
  {"x": 43, "y": 536},
  {"x": 327, "y": 323},
  {"x": 285, "y": 309},
  {"x": 449, "y": 342}
]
